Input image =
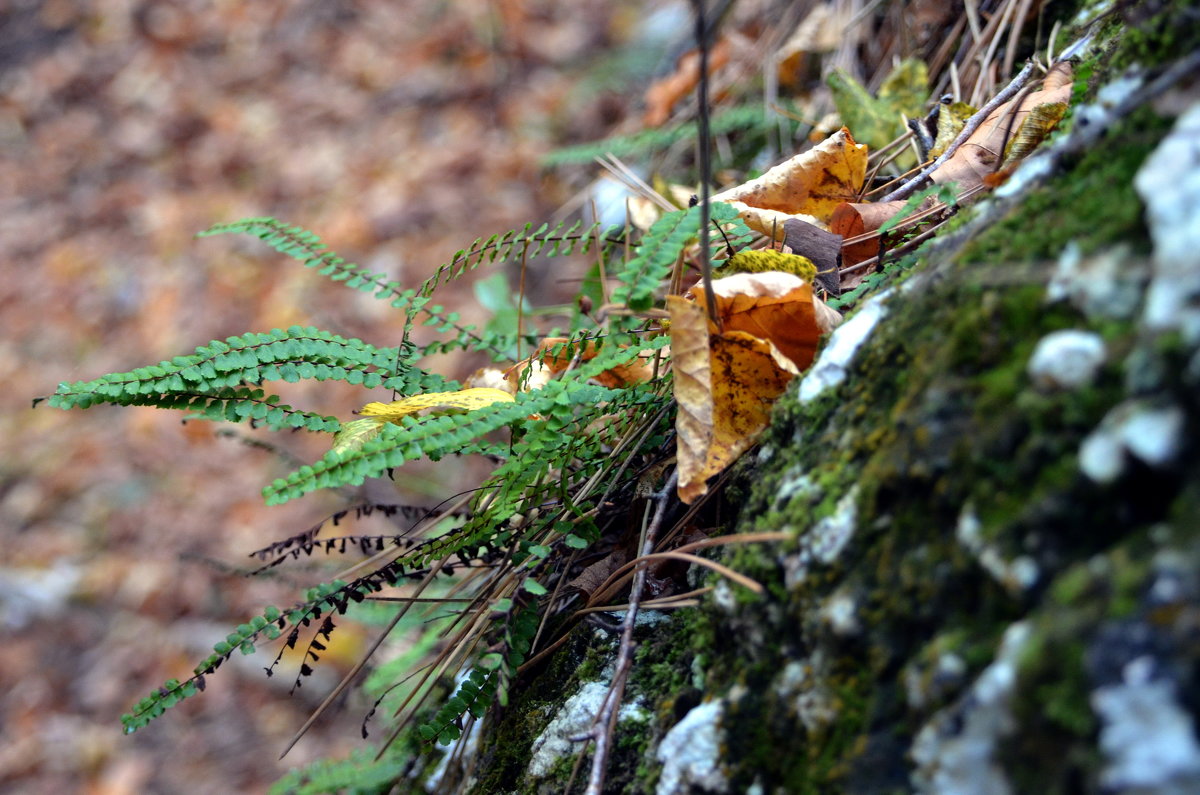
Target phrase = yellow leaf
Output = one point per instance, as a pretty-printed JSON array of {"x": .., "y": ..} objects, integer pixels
[
  {"x": 462, "y": 400},
  {"x": 354, "y": 434},
  {"x": 724, "y": 386},
  {"x": 691, "y": 364},
  {"x": 809, "y": 186}
]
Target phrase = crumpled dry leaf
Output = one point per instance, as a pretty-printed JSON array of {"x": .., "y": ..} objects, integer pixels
[
  {"x": 724, "y": 386},
  {"x": 980, "y": 155},
  {"x": 772, "y": 306},
  {"x": 598, "y": 573},
  {"x": 553, "y": 356},
  {"x": 808, "y": 186}
]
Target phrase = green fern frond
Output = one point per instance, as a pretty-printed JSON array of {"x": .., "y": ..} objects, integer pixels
[
  {"x": 656, "y": 254},
  {"x": 359, "y": 774},
  {"x": 748, "y": 117},
  {"x": 441, "y": 435},
  {"x": 221, "y": 367}
]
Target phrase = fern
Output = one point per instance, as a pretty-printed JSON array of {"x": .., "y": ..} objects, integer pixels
[
  {"x": 211, "y": 383},
  {"x": 748, "y": 117},
  {"x": 663, "y": 244},
  {"x": 570, "y": 440},
  {"x": 360, "y": 774}
]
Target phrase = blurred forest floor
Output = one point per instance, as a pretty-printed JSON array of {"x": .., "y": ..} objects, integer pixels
[{"x": 399, "y": 132}]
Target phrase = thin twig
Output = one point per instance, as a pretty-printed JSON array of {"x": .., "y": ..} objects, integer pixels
[
  {"x": 702, "y": 39},
  {"x": 602, "y": 728},
  {"x": 910, "y": 187}
]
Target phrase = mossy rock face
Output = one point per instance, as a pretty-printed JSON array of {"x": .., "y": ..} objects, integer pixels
[{"x": 993, "y": 578}]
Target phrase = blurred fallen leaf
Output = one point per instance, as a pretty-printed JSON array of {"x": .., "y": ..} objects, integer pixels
[
  {"x": 820, "y": 31},
  {"x": 664, "y": 94},
  {"x": 876, "y": 121},
  {"x": 555, "y": 355},
  {"x": 808, "y": 186}
]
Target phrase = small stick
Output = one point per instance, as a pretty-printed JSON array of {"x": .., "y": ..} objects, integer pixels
[
  {"x": 910, "y": 187},
  {"x": 705, "y": 162},
  {"x": 606, "y": 719}
]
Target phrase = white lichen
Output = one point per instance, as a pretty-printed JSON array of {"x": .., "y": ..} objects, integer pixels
[
  {"x": 1016, "y": 575},
  {"x": 824, "y": 542},
  {"x": 1153, "y": 434},
  {"x": 955, "y": 752},
  {"x": 572, "y": 720},
  {"x": 1169, "y": 184},
  {"x": 832, "y": 365},
  {"x": 1102, "y": 286},
  {"x": 1067, "y": 359},
  {"x": 690, "y": 753},
  {"x": 1147, "y": 737},
  {"x": 801, "y": 685},
  {"x": 840, "y": 612}
]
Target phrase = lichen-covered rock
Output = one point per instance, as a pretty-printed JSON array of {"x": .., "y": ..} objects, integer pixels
[{"x": 991, "y": 485}]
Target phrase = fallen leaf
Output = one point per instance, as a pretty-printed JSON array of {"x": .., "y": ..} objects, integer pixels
[
  {"x": 354, "y": 434},
  {"x": 857, "y": 218},
  {"x": 462, "y": 400},
  {"x": 598, "y": 573},
  {"x": 876, "y": 121},
  {"x": 554, "y": 354},
  {"x": 724, "y": 387},
  {"x": 777, "y": 307},
  {"x": 821, "y": 31},
  {"x": 662, "y": 95},
  {"x": 982, "y": 152},
  {"x": 808, "y": 186}
]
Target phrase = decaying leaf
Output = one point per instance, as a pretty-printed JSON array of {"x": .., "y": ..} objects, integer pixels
[
  {"x": 809, "y": 186},
  {"x": 777, "y": 307},
  {"x": 462, "y": 400},
  {"x": 554, "y": 355},
  {"x": 356, "y": 433},
  {"x": 691, "y": 365},
  {"x": 876, "y": 121},
  {"x": 981, "y": 154},
  {"x": 950, "y": 121},
  {"x": 724, "y": 386},
  {"x": 1041, "y": 120},
  {"x": 663, "y": 94}
]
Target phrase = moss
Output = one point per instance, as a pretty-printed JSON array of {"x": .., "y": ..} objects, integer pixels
[
  {"x": 507, "y": 747},
  {"x": 1097, "y": 206},
  {"x": 1155, "y": 33}
]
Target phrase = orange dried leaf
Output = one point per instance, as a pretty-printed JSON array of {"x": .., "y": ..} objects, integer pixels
[
  {"x": 556, "y": 356},
  {"x": 663, "y": 94},
  {"x": 808, "y": 186},
  {"x": 772, "y": 306}
]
